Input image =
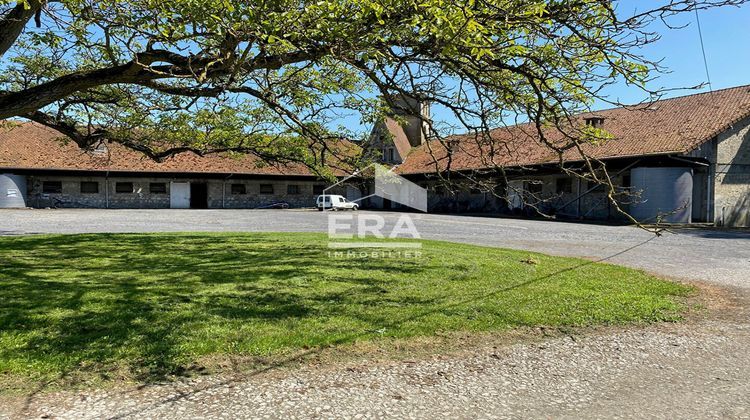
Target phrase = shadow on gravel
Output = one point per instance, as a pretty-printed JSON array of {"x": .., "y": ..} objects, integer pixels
[{"x": 715, "y": 233}]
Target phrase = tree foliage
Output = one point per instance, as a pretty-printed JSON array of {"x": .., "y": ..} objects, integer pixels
[{"x": 273, "y": 77}]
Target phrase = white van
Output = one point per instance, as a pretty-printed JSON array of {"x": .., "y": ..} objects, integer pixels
[{"x": 335, "y": 202}]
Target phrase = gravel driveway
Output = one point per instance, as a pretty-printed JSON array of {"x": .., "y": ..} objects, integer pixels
[
  {"x": 722, "y": 257},
  {"x": 696, "y": 369}
]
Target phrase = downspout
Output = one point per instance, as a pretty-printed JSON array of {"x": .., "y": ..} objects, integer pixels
[
  {"x": 578, "y": 190},
  {"x": 709, "y": 217},
  {"x": 106, "y": 189}
]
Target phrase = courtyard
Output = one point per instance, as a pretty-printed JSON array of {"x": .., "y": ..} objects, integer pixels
[
  {"x": 548, "y": 363},
  {"x": 718, "y": 256}
]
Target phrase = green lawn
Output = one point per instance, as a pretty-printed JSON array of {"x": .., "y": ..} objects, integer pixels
[{"x": 153, "y": 304}]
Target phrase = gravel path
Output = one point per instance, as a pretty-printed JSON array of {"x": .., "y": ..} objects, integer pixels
[
  {"x": 674, "y": 371},
  {"x": 697, "y": 369},
  {"x": 721, "y": 257}
]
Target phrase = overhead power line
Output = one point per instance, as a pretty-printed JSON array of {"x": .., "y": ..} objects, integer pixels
[{"x": 703, "y": 50}]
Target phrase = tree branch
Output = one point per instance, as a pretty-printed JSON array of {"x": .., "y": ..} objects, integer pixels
[{"x": 13, "y": 23}]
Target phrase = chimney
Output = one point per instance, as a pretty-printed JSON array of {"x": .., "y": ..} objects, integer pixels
[
  {"x": 416, "y": 116},
  {"x": 595, "y": 121}
]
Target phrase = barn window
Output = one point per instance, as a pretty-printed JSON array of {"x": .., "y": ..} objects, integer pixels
[
  {"x": 564, "y": 186},
  {"x": 266, "y": 188},
  {"x": 89, "y": 187},
  {"x": 124, "y": 187},
  {"x": 52, "y": 187},
  {"x": 239, "y": 189},
  {"x": 534, "y": 187},
  {"x": 157, "y": 188},
  {"x": 292, "y": 189}
]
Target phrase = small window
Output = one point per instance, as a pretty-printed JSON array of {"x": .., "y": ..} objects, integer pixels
[
  {"x": 157, "y": 188},
  {"x": 564, "y": 186},
  {"x": 239, "y": 189},
  {"x": 318, "y": 189},
  {"x": 266, "y": 188},
  {"x": 292, "y": 189},
  {"x": 52, "y": 187},
  {"x": 124, "y": 187},
  {"x": 390, "y": 155},
  {"x": 89, "y": 187},
  {"x": 534, "y": 187},
  {"x": 626, "y": 181}
]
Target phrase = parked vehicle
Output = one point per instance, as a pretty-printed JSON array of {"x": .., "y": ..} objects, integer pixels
[{"x": 335, "y": 202}]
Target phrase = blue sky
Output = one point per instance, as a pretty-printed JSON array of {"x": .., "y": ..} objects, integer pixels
[{"x": 726, "y": 35}]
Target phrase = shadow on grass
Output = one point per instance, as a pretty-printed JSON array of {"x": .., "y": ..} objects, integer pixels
[
  {"x": 138, "y": 293},
  {"x": 134, "y": 292},
  {"x": 351, "y": 338}
]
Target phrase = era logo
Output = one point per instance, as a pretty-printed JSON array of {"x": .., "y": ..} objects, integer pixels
[{"x": 344, "y": 226}]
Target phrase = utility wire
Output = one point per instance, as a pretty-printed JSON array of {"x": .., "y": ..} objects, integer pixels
[{"x": 703, "y": 49}]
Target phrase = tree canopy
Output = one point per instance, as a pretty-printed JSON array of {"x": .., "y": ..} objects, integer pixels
[{"x": 272, "y": 77}]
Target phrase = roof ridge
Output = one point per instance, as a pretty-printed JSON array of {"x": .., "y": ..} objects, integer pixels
[
  {"x": 691, "y": 95},
  {"x": 460, "y": 136}
]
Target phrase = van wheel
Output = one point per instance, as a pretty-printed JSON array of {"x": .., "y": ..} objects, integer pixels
[{"x": 320, "y": 208}]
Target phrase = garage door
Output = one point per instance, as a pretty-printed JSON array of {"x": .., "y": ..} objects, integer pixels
[{"x": 179, "y": 195}]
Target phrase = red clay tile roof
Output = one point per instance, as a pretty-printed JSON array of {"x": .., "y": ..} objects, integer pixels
[
  {"x": 32, "y": 146},
  {"x": 676, "y": 125}
]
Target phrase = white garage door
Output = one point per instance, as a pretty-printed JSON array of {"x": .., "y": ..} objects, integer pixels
[{"x": 179, "y": 195}]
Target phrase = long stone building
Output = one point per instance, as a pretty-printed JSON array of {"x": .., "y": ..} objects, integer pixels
[
  {"x": 680, "y": 160},
  {"x": 687, "y": 158},
  {"x": 39, "y": 169}
]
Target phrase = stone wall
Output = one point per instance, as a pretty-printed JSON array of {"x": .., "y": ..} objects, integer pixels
[
  {"x": 732, "y": 177},
  {"x": 220, "y": 194}
]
